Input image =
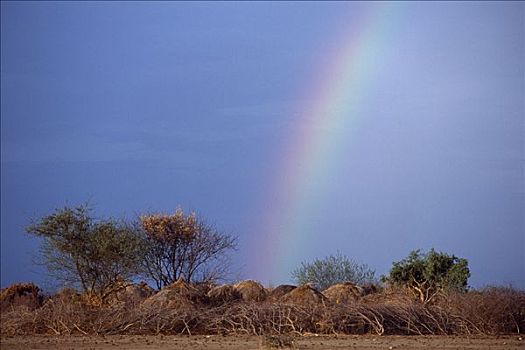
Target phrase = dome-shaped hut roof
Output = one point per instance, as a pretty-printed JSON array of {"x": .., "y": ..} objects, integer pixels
[
  {"x": 343, "y": 293},
  {"x": 177, "y": 294},
  {"x": 223, "y": 294},
  {"x": 278, "y": 292},
  {"x": 304, "y": 294},
  {"x": 251, "y": 290}
]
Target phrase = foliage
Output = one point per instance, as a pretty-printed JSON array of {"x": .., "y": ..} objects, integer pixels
[
  {"x": 427, "y": 275},
  {"x": 95, "y": 255},
  {"x": 323, "y": 273},
  {"x": 183, "y": 246}
]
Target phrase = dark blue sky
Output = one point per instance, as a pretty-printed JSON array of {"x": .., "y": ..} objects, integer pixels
[{"x": 147, "y": 106}]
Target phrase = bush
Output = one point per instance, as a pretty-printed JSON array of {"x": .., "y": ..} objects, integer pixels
[
  {"x": 183, "y": 246},
  {"x": 322, "y": 273},
  {"x": 95, "y": 255},
  {"x": 492, "y": 310},
  {"x": 428, "y": 275}
]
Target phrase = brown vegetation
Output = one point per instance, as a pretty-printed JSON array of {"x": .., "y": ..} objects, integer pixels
[
  {"x": 369, "y": 288},
  {"x": 489, "y": 309},
  {"x": 20, "y": 295},
  {"x": 66, "y": 295},
  {"x": 177, "y": 294},
  {"x": 343, "y": 293},
  {"x": 278, "y": 292},
  {"x": 183, "y": 246},
  {"x": 304, "y": 294},
  {"x": 302, "y": 310},
  {"x": 134, "y": 293},
  {"x": 223, "y": 294},
  {"x": 251, "y": 291}
]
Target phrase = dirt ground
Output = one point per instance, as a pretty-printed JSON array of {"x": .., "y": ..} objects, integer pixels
[{"x": 252, "y": 343}]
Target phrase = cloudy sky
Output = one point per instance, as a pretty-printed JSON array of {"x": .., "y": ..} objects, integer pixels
[{"x": 141, "y": 107}]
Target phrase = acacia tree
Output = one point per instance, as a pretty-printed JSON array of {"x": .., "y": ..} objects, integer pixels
[
  {"x": 183, "y": 246},
  {"x": 427, "y": 275},
  {"x": 96, "y": 256},
  {"x": 323, "y": 273}
]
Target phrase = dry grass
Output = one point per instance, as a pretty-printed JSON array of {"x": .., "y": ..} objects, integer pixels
[
  {"x": 251, "y": 291},
  {"x": 278, "y": 292},
  {"x": 25, "y": 295},
  {"x": 304, "y": 294},
  {"x": 177, "y": 294},
  {"x": 343, "y": 293},
  {"x": 224, "y": 294},
  {"x": 490, "y": 311}
]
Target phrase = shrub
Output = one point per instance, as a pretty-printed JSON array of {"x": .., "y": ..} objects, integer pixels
[
  {"x": 79, "y": 251},
  {"x": 183, "y": 246},
  {"x": 427, "y": 275},
  {"x": 333, "y": 269}
]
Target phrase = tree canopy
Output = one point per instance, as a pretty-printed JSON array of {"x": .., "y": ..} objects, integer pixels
[
  {"x": 429, "y": 274},
  {"x": 181, "y": 245},
  {"x": 323, "y": 273},
  {"x": 97, "y": 255}
]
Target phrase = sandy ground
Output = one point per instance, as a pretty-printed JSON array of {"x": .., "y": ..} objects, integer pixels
[{"x": 247, "y": 343}]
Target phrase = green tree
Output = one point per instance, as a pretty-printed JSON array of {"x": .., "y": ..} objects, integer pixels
[
  {"x": 97, "y": 256},
  {"x": 427, "y": 275},
  {"x": 322, "y": 273},
  {"x": 183, "y": 246}
]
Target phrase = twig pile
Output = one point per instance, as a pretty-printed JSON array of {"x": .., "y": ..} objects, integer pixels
[{"x": 490, "y": 311}]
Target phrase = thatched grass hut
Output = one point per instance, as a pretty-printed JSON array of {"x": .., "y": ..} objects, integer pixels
[
  {"x": 133, "y": 294},
  {"x": 278, "y": 292},
  {"x": 304, "y": 294},
  {"x": 251, "y": 290},
  {"x": 177, "y": 294},
  {"x": 369, "y": 288},
  {"x": 343, "y": 293},
  {"x": 223, "y": 294},
  {"x": 65, "y": 295},
  {"x": 20, "y": 295},
  {"x": 389, "y": 296}
]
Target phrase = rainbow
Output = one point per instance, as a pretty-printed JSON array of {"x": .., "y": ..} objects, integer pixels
[{"x": 325, "y": 123}]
